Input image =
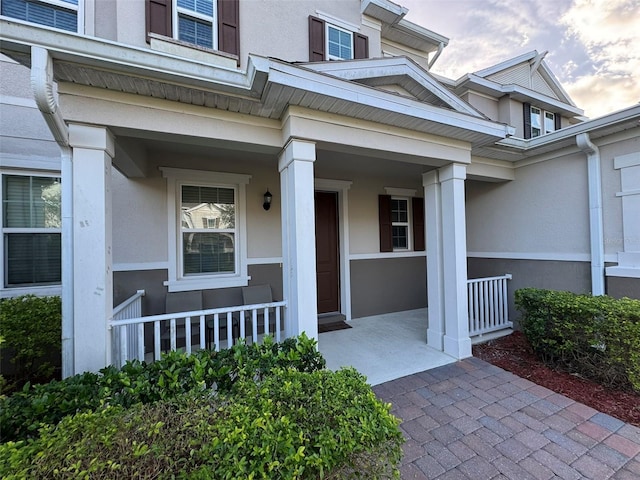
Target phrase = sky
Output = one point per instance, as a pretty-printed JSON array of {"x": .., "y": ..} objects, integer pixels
[{"x": 593, "y": 45}]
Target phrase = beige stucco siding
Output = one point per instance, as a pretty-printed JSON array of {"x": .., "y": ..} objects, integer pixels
[
  {"x": 484, "y": 104},
  {"x": 544, "y": 210}
]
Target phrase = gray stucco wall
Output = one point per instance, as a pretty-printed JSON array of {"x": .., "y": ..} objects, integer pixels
[
  {"x": 554, "y": 275},
  {"x": 387, "y": 285},
  {"x": 619, "y": 287}
]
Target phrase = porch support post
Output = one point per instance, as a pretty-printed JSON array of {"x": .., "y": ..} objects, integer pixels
[
  {"x": 298, "y": 237},
  {"x": 435, "y": 281},
  {"x": 454, "y": 254},
  {"x": 93, "y": 151}
]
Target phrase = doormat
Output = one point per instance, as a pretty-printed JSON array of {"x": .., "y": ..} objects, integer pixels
[{"x": 330, "y": 327}]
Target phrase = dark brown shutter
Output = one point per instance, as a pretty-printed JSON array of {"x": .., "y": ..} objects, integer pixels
[
  {"x": 417, "y": 206},
  {"x": 384, "y": 214},
  {"x": 158, "y": 17},
  {"x": 316, "y": 39},
  {"x": 558, "y": 121},
  {"x": 360, "y": 46},
  {"x": 229, "y": 26},
  {"x": 527, "y": 119}
]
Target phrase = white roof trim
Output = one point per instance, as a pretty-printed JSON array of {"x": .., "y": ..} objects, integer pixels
[
  {"x": 526, "y": 57},
  {"x": 393, "y": 66}
]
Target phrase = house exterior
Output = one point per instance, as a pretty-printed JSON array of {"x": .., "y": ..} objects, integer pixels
[{"x": 391, "y": 186}]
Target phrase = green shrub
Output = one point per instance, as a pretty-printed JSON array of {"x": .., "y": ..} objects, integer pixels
[
  {"x": 24, "y": 412},
  {"x": 598, "y": 337},
  {"x": 31, "y": 327},
  {"x": 289, "y": 425}
]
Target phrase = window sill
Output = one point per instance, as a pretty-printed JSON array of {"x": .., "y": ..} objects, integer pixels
[
  {"x": 207, "y": 283},
  {"x": 40, "y": 291}
]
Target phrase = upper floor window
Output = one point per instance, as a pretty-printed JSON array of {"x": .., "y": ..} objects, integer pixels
[
  {"x": 62, "y": 14},
  {"x": 31, "y": 226},
  {"x": 330, "y": 42},
  {"x": 539, "y": 122},
  {"x": 196, "y": 22},
  {"x": 206, "y": 23}
]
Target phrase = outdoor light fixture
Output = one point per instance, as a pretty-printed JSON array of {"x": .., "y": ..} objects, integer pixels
[{"x": 267, "y": 200}]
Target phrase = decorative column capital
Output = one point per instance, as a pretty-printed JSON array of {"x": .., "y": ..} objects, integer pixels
[
  {"x": 453, "y": 171},
  {"x": 299, "y": 150},
  {"x": 430, "y": 178},
  {"x": 92, "y": 138}
]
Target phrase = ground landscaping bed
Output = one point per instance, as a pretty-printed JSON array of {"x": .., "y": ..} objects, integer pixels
[{"x": 513, "y": 353}]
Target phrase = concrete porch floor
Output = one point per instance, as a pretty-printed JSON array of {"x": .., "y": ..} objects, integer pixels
[{"x": 383, "y": 347}]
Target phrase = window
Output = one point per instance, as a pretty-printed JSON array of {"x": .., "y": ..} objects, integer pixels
[
  {"x": 206, "y": 23},
  {"x": 400, "y": 223},
  {"x": 207, "y": 229},
  {"x": 62, "y": 14},
  {"x": 539, "y": 122},
  {"x": 330, "y": 42},
  {"x": 339, "y": 43},
  {"x": 31, "y": 224},
  {"x": 196, "y": 22}
]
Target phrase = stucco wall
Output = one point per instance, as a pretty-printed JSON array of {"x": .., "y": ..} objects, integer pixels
[
  {"x": 484, "y": 104},
  {"x": 543, "y": 211}
]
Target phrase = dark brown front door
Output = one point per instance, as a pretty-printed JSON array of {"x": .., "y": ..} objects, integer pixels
[{"x": 327, "y": 266}]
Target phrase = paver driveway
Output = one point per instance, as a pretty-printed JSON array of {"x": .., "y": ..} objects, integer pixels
[{"x": 473, "y": 420}]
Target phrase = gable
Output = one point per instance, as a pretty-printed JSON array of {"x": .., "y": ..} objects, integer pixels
[{"x": 521, "y": 75}]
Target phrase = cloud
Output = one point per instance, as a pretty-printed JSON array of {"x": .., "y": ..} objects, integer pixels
[{"x": 592, "y": 44}]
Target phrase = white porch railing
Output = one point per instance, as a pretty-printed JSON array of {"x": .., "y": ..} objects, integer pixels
[
  {"x": 130, "y": 308},
  {"x": 488, "y": 305},
  {"x": 204, "y": 326}
]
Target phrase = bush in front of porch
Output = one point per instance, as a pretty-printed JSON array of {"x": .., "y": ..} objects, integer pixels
[{"x": 598, "y": 337}]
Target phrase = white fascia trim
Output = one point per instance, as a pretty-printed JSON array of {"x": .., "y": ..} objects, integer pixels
[
  {"x": 338, "y": 22},
  {"x": 393, "y": 66},
  {"x": 400, "y": 192},
  {"x": 415, "y": 30},
  {"x": 307, "y": 80},
  {"x": 99, "y": 52},
  {"x": 140, "y": 266},
  {"x": 382, "y": 255},
  {"x": 391, "y": 7},
  {"x": 40, "y": 291},
  {"x": 264, "y": 260},
  {"x": 525, "y": 57},
  {"x": 548, "y": 75},
  {"x": 626, "y": 272}
]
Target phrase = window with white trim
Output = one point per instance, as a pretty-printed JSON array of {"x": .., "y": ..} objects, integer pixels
[
  {"x": 339, "y": 43},
  {"x": 400, "y": 223},
  {"x": 542, "y": 122},
  {"x": 31, "y": 230},
  {"x": 195, "y": 22},
  {"x": 207, "y": 229},
  {"x": 61, "y": 14}
]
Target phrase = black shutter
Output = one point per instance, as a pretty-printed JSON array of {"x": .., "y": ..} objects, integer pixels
[
  {"x": 316, "y": 39},
  {"x": 360, "y": 46},
  {"x": 384, "y": 217},
  {"x": 417, "y": 206},
  {"x": 557, "y": 121},
  {"x": 527, "y": 120},
  {"x": 158, "y": 17},
  {"x": 228, "y": 26}
]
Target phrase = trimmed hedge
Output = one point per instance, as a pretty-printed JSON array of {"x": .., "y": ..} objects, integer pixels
[
  {"x": 289, "y": 425},
  {"x": 23, "y": 413},
  {"x": 598, "y": 337}
]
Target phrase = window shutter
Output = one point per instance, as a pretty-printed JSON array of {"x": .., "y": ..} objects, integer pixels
[
  {"x": 158, "y": 17},
  {"x": 316, "y": 39},
  {"x": 384, "y": 214},
  {"x": 558, "y": 121},
  {"x": 417, "y": 205},
  {"x": 228, "y": 26},
  {"x": 527, "y": 120},
  {"x": 360, "y": 46}
]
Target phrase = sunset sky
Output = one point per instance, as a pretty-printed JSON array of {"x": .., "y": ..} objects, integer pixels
[{"x": 594, "y": 45}]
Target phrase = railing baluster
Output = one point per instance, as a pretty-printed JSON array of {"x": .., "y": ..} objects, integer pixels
[
  {"x": 242, "y": 325},
  {"x": 187, "y": 334},
  {"x": 266, "y": 321},
  {"x": 229, "y": 332},
  {"x": 140, "y": 328},
  {"x": 202, "y": 334},
  {"x": 216, "y": 331},
  {"x": 278, "y": 324},
  {"x": 172, "y": 334},
  {"x": 156, "y": 340},
  {"x": 254, "y": 325}
]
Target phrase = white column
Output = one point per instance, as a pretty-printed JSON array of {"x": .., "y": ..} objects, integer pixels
[
  {"x": 454, "y": 254},
  {"x": 298, "y": 238},
  {"x": 93, "y": 150},
  {"x": 435, "y": 281}
]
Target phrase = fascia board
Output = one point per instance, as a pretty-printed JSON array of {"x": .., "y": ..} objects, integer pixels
[
  {"x": 415, "y": 30},
  {"x": 303, "y": 79},
  {"x": 384, "y": 67},
  {"x": 506, "y": 64},
  {"x": 16, "y": 36},
  {"x": 397, "y": 12},
  {"x": 548, "y": 75}
]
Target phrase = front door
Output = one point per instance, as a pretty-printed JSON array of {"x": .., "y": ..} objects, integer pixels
[{"x": 327, "y": 261}]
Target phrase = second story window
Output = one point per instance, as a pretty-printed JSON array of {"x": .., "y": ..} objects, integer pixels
[
  {"x": 339, "y": 43},
  {"x": 330, "y": 42},
  {"x": 539, "y": 122},
  {"x": 62, "y": 14},
  {"x": 196, "y": 22}
]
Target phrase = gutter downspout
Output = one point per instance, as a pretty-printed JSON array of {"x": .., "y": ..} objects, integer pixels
[
  {"x": 595, "y": 212},
  {"x": 43, "y": 91}
]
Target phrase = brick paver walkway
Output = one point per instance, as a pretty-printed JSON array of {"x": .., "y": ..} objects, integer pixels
[{"x": 474, "y": 420}]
